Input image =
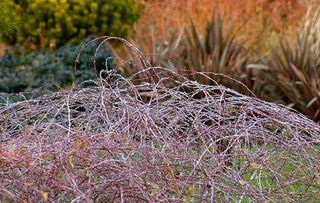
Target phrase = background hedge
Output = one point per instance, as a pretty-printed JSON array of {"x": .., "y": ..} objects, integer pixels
[
  {"x": 54, "y": 22},
  {"x": 43, "y": 68}
]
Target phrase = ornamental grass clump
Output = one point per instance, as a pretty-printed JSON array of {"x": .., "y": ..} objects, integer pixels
[
  {"x": 155, "y": 137},
  {"x": 294, "y": 68},
  {"x": 216, "y": 50}
]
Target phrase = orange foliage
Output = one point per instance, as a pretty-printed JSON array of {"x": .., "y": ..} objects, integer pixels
[
  {"x": 2, "y": 47},
  {"x": 257, "y": 19}
]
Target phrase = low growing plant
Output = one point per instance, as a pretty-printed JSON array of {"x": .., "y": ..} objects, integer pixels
[
  {"x": 43, "y": 68},
  {"x": 105, "y": 144}
]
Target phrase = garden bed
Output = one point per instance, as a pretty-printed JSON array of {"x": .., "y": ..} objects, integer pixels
[{"x": 160, "y": 139}]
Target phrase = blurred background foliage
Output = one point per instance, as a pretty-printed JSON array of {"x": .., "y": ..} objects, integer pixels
[
  {"x": 9, "y": 22},
  {"x": 294, "y": 68},
  {"x": 271, "y": 46},
  {"x": 53, "y": 69},
  {"x": 259, "y": 21},
  {"x": 54, "y": 22}
]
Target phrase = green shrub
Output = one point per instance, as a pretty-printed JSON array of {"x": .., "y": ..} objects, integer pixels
[
  {"x": 54, "y": 22},
  {"x": 20, "y": 72},
  {"x": 9, "y": 23}
]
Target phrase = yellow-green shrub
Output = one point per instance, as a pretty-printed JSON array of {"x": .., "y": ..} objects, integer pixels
[
  {"x": 53, "y": 22},
  {"x": 8, "y": 20}
]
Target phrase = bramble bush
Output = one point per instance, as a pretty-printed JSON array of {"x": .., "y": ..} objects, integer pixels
[
  {"x": 106, "y": 144},
  {"x": 54, "y": 22}
]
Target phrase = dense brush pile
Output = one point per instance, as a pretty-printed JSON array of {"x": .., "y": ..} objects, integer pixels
[{"x": 161, "y": 139}]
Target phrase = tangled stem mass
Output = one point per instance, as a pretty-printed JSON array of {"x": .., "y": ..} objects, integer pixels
[{"x": 162, "y": 138}]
